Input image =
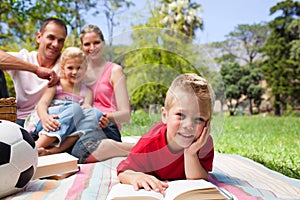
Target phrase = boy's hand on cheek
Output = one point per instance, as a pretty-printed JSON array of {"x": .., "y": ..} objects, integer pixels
[{"x": 199, "y": 143}]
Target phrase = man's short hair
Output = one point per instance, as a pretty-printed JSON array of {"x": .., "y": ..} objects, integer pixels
[{"x": 53, "y": 20}]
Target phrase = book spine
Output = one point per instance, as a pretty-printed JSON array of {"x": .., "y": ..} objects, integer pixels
[{"x": 225, "y": 193}]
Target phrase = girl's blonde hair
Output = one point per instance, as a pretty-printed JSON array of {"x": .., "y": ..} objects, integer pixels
[{"x": 192, "y": 84}]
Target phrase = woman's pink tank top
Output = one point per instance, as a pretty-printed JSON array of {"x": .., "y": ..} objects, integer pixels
[{"x": 103, "y": 91}]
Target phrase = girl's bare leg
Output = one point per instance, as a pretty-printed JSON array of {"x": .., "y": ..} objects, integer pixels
[
  {"x": 45, "y": 141},
  {"x": 65, "y": 145}
]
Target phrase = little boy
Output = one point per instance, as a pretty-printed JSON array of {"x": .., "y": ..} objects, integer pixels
[{"x": 179, "y": 147}]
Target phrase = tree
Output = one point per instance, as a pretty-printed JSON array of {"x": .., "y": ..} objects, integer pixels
[
  {"x": 19, "y": 18},
  {"x": 161, "y": 51},
  {"x": 246, "y": 41},
  {"x": 111, "y": 9},
  {"x": 181, "y": 15},
  {"x": 243, "y": 45},
  {"x": 249, "y": 85},
  {"x": 151, "y": 63},
  {"x": 244, "y": 84},
  {"x": 281, "y": 69},
  {"x": 232, "y": 73},
  {"x": 294, "y": 30}
]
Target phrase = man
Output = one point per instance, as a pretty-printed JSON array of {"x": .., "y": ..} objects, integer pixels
[{"x": 29, "y": 88}]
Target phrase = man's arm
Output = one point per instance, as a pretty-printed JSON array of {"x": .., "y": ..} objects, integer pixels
[{"x": 9, "y": 62}]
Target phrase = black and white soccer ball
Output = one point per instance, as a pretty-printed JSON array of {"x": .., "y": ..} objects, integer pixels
[{"x": 18, "y": 158}]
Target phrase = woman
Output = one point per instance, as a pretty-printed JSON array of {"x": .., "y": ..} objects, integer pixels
[
  {"x": 106, "y": 79},
  {"x": 108, "y": 83}
]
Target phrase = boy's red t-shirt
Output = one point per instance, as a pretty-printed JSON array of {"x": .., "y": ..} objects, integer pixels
[{"x": 152, "y": 156}]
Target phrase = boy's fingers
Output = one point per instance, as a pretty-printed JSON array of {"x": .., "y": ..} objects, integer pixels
[
  {"x": 145, "y": 185},
  {"x": 135, "y": 186}
]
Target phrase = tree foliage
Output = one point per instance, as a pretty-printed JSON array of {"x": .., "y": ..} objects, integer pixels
[
  {"x": 155, "y": 62},
  {"x": 19, "y": 18},
  {"x": 246, "y": 41},
  {"x": 182, "y": 15},
  {"x": 111, "y": 9},
  {"x": 241, "y": 83},
  {"x": 162, "y": 50},
  {"x": 243, "y": 46},
  {"x": 232, "y": 73},
  {"x": 282, "y": 68}
]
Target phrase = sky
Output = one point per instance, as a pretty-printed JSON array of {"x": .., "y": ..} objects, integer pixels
[{"x": 220, "y": 17}]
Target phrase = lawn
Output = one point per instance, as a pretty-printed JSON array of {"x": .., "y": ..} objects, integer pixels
[{"x": 271, "y": 141}]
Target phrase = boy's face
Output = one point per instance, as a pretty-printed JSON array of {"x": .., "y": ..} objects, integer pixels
[{"x": 185, "y": 121}]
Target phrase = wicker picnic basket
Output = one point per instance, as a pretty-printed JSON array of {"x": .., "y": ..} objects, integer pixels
[{"x": 8, "y": 109}]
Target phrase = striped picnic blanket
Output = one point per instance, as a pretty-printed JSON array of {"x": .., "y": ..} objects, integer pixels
[
  {"x": 93, "y": 181},
  {"x": 242, "y": 177},
  {"x": 247, "y": 180}
]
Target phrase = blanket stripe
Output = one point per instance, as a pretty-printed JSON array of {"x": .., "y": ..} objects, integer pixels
[
  {"x": 240, "y": 176},
  {"x": 235, "y": 191},
  {"x": 254, "y": 178},
  {"x": 96, "y": 187},
  {"x": 80, "y": 182}
]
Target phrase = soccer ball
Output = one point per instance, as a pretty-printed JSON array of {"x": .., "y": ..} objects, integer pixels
[{"x": 18, "y": 158}]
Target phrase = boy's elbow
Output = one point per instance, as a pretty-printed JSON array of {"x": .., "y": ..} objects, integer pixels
[
  {"x": 201, "y": 175},
  {"x": 126, "y": 116}
]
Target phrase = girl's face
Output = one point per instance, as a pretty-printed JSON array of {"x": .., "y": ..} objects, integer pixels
[
  {"x": 92, "y": 45},
  {"x": 73, "y": 70},
  {"x": 185, "y": 121}
]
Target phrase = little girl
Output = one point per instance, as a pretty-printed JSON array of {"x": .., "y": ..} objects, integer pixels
[{"x": 60, "y": 107}]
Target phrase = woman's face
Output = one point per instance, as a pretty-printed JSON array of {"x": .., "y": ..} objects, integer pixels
[{"x": 92, "y": 45}]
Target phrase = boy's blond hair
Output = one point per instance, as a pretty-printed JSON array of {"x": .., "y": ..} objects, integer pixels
[
  {"x": 69, "y": 53},
  {"x": 192, "y": 84}
]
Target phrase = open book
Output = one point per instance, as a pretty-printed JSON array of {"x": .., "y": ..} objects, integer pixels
[
  {"x": 56, "y": 166},
  {"x": 177, "y": 190}
]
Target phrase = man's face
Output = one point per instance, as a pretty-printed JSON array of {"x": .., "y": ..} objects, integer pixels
[{"x": 51, "y": 41}]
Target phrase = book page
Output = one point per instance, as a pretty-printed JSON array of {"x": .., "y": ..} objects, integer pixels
[
  {"x": 206, "y": 194},
  {"x": 126, "y": 191},
  {"x": 181, "y": 186}
]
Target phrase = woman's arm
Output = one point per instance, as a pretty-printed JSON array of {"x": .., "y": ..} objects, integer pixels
[{"x": 121, "y": 94}]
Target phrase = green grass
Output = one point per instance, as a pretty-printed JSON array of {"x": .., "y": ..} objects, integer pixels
[{"x": 271, "y": 141}]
